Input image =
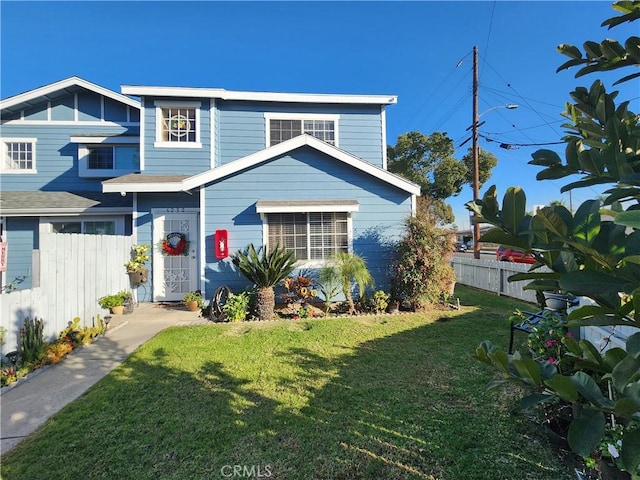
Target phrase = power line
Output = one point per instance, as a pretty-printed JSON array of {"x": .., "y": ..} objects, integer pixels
[
  {"x": 511, "y": 146},
  {"x": 486, "y": 46},
  {"x": 519, "y": 96}
]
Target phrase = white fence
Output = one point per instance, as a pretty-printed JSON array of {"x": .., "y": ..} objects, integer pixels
[
  {"x": 492, "y": 275},
  {"x": 75, "y": 270}
]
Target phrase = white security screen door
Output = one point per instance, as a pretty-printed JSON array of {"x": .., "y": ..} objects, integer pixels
[{"x": 175, "y": 266}]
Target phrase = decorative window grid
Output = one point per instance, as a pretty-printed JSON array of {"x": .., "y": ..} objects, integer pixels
[
  {"x": 19, "y": 155},
  {"x": 178, "y": 125}
]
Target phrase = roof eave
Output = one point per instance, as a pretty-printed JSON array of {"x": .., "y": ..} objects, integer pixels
[
  {"x": 54, "y": 212},
  {"x": 197, "y": 92},
  {"x": 61, "y": 85},
  {"x": 140, "y": 187}
]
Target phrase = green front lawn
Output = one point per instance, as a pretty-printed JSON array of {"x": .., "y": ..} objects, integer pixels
[{"x": 390, "y": 397}]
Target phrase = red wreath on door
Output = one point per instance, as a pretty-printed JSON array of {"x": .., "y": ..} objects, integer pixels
[{"x": 175, "y": 244}]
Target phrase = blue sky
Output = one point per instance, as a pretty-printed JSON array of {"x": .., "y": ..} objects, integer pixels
[{"x": 420, "y": 51}]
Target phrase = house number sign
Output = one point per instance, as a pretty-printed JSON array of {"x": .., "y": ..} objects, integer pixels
[{"x": 176, "y": 210}]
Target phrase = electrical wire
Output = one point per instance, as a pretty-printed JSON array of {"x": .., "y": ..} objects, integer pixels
[{"x": 486, "y": 46}]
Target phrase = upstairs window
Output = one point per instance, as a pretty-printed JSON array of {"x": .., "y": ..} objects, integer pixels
[
  {"x": 285, "y": 126},
  {"x": 19, "y": 155},
  {"x": 177, "y": 124},
  {"x": 100, "y": 158},
  {"x": 108, "y": 160}
]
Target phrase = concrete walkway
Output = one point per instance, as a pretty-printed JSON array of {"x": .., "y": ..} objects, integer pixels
[{"x": 31, "y": 401}]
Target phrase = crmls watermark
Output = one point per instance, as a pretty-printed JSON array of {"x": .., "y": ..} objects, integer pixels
[{"x": 246, "y": 471}]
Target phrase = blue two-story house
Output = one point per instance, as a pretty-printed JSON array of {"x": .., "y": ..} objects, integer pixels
[{"x": 210, "y": 171}]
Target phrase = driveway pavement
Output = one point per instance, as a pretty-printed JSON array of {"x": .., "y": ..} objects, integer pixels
[{"x": 26, "y": 405}]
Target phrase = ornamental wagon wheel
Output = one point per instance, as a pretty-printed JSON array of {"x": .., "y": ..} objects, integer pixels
[{"x": 220, "y": 297}]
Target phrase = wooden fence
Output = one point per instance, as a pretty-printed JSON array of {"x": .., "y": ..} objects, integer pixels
[{"x": 74, "y": 271}]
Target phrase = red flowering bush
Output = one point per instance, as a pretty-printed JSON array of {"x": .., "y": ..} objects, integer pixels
[{"x": 299, "y": 289}]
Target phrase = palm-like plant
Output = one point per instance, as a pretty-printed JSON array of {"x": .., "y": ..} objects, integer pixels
[
  {"x": 265, "y": 270},
  {"x": 352, "y": 268}
]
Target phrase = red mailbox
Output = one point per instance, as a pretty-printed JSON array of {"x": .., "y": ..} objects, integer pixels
[{"x": 221, "y": 244}]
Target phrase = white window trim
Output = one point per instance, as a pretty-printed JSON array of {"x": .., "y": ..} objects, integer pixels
[
  {"x": 268, "y": 116},
  {"x": 46, "y": 224},
  {"x": 83, "y": 162},
  {"x": 308, "y": 263},
  {"x": 159, "y": 105},
  {"x": 4, "y": 142}
]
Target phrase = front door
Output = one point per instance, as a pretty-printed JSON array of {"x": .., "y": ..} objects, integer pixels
[{"x": 175, "y": 262}]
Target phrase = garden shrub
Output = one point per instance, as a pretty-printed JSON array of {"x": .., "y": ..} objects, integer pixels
[{"x": 423, "y": 274}]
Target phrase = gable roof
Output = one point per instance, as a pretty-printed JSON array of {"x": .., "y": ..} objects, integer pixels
[
  {"x": 136, "y": 182},
  {"x": 57, "y": 90},
  {"x": 221, "y": 93}
]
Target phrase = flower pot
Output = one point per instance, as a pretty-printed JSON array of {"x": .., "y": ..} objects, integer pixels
[
  {"x": 138, "y": 277},
  {"x": 555, "y": 301},
  {"x": 117, "y": 310},
  {"x": 192, "y": 306}
]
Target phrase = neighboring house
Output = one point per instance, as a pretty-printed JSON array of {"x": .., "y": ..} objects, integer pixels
[
  {"x": 58, "y": 143},
  {"x": 306, "y": 171}
]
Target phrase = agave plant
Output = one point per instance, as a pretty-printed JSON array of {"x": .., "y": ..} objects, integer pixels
[{"x": 265, "y": 270}]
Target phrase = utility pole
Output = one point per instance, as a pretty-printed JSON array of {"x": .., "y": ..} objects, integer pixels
[{"x": 476, "y": 178}]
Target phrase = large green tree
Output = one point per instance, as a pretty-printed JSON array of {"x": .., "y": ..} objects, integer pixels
[{"x": 429, "y": 161}]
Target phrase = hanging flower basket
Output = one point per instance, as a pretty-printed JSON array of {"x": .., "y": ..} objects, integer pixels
[
  {"x": 138, "y": 277},
  {"x": 175, "y": 244}
]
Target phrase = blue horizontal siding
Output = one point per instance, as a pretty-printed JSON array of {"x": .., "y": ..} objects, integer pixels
[
  {"x": 175, "y": 160},
  {"x": 242, "y": 128},
  {"x": 303, "y": 175},
  {"x": 56, "y": 157}
]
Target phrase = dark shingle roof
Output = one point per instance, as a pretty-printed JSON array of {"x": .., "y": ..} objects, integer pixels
[
  {"x": 139, "y": 178},
  {"x": 40, "y": 203}
]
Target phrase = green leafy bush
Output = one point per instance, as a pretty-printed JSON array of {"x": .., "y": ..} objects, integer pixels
[
  {"x": 236, "y": 306},
  {"x": 114, "y": 300},
  {"x": 593, "y": 252},
  {"x": 380, "y": 301},
  {"x": 423, "y": 274}
]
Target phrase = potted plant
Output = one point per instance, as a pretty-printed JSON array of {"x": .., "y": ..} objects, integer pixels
[
  {"x": 135, "y": 267},
  {"x": 114, "y": 302},
  {"x": 193, "y": 301}
]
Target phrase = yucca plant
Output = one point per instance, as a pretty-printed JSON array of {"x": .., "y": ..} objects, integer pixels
[
  {"x": 265, "y": 270},
  {"x": 352, "y": 268}
]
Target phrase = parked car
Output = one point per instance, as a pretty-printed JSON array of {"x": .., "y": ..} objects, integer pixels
[
  {"x": 508, "y": 254},
  {"x": 460, "y": 247}
]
